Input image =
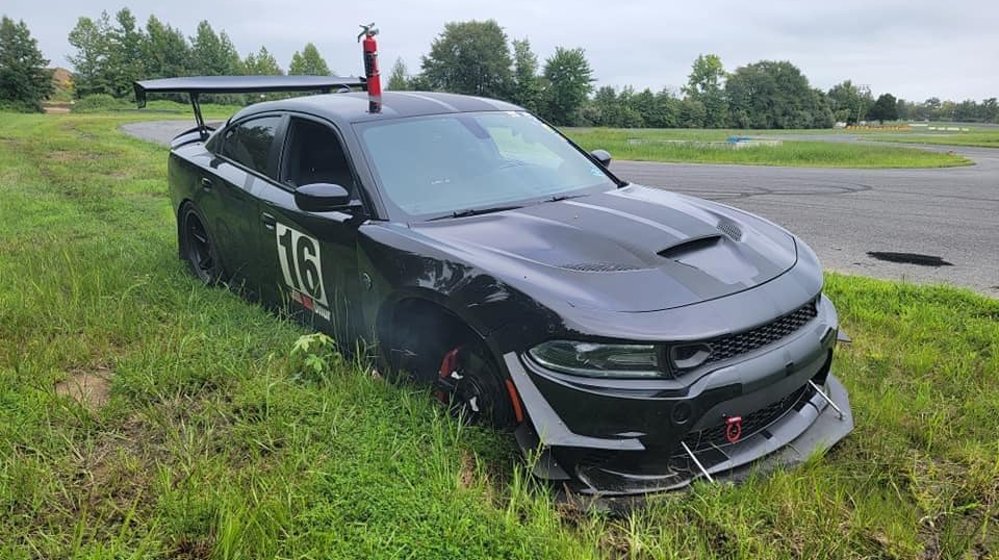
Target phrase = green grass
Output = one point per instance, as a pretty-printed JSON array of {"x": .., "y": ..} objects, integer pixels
[
  {"x": 219, "y": 440},
  {"x": 976, "y": 137},
  {"x": 708, "y": 146},
  {"x": 164, "y": 109}
]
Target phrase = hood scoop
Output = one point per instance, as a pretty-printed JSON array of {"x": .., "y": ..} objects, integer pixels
[
  {"x": 715, "y": 256},
  {"x": 690, "y": 245}
]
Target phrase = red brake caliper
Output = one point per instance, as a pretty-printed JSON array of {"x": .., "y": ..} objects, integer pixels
[{"x": 447, "y": 375}]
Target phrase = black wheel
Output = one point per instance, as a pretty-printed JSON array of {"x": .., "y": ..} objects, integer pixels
[
  {"x": 197, "y": 247},
  {"x": 473, "y": 388},
  {"x": 422, "y": 344}
]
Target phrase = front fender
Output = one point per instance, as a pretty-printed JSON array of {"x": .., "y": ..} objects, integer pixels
[{"x": 398, "y": 267}]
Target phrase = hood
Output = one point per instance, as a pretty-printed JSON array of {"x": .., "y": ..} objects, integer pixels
[{"x": 632, "y": 249}]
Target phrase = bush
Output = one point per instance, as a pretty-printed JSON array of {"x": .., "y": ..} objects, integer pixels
[
  {"x": 100, "y": 102},
  {"x": 11, "y": 106}
]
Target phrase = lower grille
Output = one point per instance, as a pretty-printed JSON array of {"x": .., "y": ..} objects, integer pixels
[{"x": 751, "y": 423}]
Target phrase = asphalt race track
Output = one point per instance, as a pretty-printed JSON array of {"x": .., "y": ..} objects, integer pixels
[
  {"x": 844, "y": 214},
  {"x": 945, "y": 220}
]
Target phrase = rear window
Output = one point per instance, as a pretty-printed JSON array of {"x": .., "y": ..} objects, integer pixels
[{"x": 249, "y": 143}]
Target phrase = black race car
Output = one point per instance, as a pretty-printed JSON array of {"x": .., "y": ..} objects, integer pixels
[{"x": 638, "y": 338}]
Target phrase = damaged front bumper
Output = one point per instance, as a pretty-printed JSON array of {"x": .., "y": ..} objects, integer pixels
[{"x": 621, "y": 441}]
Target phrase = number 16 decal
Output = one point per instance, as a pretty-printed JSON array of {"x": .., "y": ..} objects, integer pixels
[{"x": 300, "y": 264}]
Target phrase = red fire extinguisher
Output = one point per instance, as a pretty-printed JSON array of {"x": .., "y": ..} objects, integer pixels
[{"x": 370, "y": 49}]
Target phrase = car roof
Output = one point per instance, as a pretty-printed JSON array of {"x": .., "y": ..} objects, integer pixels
[{"x": 345, "y": 108}]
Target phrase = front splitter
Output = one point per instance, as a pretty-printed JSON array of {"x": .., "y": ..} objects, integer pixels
[{"x": 759, "y": 455}]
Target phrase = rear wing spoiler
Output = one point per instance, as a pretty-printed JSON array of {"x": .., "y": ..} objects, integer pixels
[{"x": 194, "y": 86}]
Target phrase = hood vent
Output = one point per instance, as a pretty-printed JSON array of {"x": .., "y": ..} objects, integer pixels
[
  {"x": 690, "y": 245},
  {"x": 730, "y": 229},
  {"x": 600, "y": 267}
]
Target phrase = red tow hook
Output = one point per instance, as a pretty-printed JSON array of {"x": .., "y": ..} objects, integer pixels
[{"x": 733, "y": 428}]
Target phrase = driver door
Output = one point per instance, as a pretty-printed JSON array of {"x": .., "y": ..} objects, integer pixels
[{"x": 311, "y": 257}]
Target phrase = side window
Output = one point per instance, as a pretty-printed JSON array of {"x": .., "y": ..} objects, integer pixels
[
  {"x": 250, "y": 142},
  {"x": 314, "y": 155}
]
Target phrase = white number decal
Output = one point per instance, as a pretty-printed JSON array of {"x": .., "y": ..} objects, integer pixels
[{"x": 300, "y": 264}]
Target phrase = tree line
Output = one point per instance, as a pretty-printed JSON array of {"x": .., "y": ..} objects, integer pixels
[
  {"x": 111, "y": 53},
  {"x": 476, "y": 58}
]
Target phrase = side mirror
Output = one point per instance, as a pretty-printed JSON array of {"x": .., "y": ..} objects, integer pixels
[
  {"x": 322, "y": 197},
  {"x": 603, "y": 156}
]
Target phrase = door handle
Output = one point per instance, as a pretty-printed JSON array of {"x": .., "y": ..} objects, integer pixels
[
  {"x": 206, "y": 183},
  {"x": 269, "y": 221}
]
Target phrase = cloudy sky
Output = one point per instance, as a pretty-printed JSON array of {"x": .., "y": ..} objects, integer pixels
[{"x": 911, "y": 48}]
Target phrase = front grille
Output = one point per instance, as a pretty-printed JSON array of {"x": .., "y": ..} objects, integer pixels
[
  {"x": 730, "y": 346},
  {"x": 752, "y": 423}
]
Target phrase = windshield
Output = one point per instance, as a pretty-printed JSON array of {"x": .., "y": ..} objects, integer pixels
[{"x": 445, "y": 164}]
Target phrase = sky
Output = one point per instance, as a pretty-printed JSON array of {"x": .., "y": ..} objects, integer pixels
[{"x": 914, "y": 49}]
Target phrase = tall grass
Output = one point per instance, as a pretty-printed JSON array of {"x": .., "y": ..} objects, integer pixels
[
  {"x": 709, "y": 146},
  {"x": 980, "y": 138},
  {"x": 218, "y": 441}
]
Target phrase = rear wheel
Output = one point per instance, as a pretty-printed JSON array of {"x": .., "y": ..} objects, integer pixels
[{"x": 198, "y": 248}]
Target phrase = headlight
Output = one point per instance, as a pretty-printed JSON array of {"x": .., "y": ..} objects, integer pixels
[{"x": 592, "y": 359}]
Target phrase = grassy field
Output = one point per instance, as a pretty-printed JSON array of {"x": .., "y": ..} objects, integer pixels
[
  {"x": 205, "y": 433},
  {"x": 708, "y": 146},
  {"x": 980, "y": 137}
]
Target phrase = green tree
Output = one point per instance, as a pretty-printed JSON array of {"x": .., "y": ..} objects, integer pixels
[
  {"x": 24, "y": 81},
  {"x": 91, "y": 63},
  {"x": 261, "y": 63},
  {"x": 968, "y": 111},
  {"x": 125, "y": 53},
  {"x": 470, "y": 57},
  {"x": 213, "y": 54},
  {"x": 706, "y": 85},
  {"x": 644, "y": 105},
  {"x": 850, "y": 102},
  {"x": 945, "y": 112},
  {"x": 666, "y": 111},
  {"x": 604, "y": 107},
  {"x": 884, "y": 109},
  {"x": 990, "y": 110},
  {"x": 630, "y": 116},
  {"x": 526, "y": 81},
  {"x": 308, "y": 63},
  {"x": 165, "y": 52},
  {"x": 569, "y": 81},
  {"x": 398, "y": 80},
  {"x": 619, "y": 110},
  {"x": 904, "y": 109},
  {"x": 770, "y": 94},
  {"x": 690, "y": 113}
]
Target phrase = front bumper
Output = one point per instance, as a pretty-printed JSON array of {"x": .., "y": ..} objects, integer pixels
[{"x": 634, "y": 438}]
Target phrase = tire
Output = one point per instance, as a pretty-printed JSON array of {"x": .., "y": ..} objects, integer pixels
[
  {"x": 474, "y": 389},
  {"x": 198, "y": 247},
  {"x": 416, "y": 347}
]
